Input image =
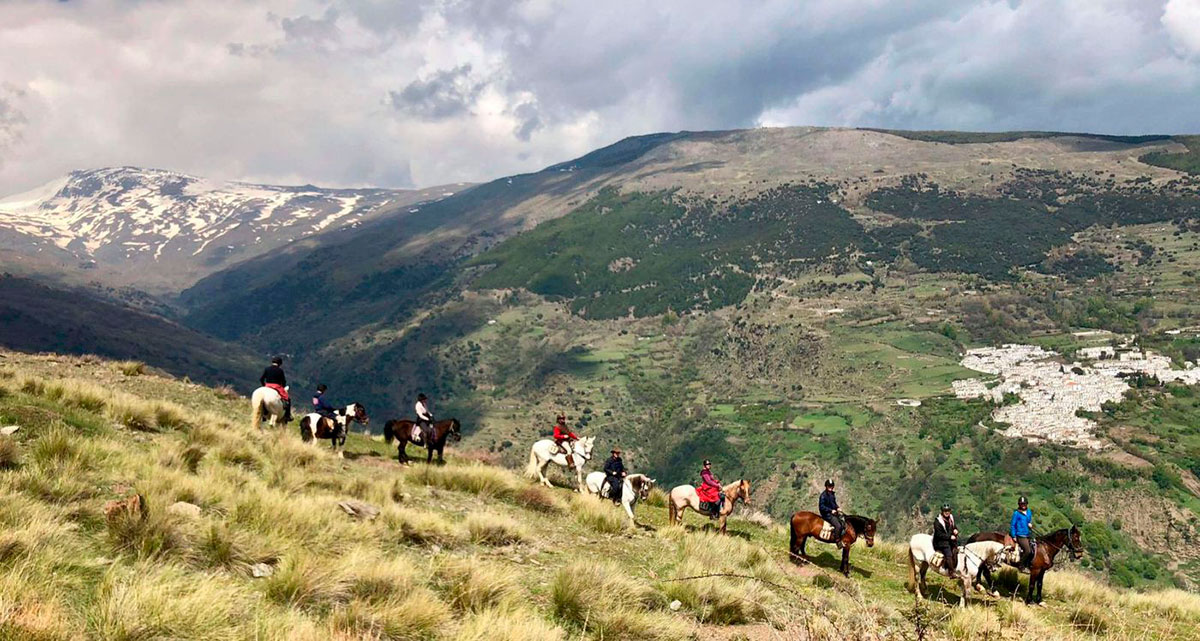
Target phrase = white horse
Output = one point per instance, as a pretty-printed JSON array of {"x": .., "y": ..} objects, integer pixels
[
  {"x": 265, "y": 403},
  {"x": 636, "y": 487},
  {"x": 546, "y": 451},
  {"x": 971, "y": 557},
  {"x": 314, "y": 426}
]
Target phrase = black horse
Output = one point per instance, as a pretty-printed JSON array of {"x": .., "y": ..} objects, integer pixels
[
  {"x": 1043, "y": 557},
  {"x": 402, "y": 431}
]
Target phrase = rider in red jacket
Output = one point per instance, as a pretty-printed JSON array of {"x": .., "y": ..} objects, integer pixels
[{"x": 562, "y": 436}]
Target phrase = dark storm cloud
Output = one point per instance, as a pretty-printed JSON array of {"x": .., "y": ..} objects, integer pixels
[
  {"x": 358, "y": 92},
  {"x": 444, "y": 94}
]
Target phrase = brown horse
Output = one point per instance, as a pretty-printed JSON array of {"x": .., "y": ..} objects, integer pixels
[
  {"x": 806, "y": 524},
  {"x": 402, "y": 431},
  {"x": 682, "y": 497},
  {"x": 1043, "y": 556}
]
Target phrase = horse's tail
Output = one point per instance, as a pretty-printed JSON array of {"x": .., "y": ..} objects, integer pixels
[
  {"x": 792, "y": 542},
  {"x": 256, "y": 412},
  {"x": 531, "y": 469},
  {"x": 672, "y": 511},
  {"x": 388, "y": 434},
  {"x": 912, "y": 567}
]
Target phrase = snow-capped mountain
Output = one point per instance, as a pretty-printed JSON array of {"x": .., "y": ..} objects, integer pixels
[{"x": 161, "y": 230}]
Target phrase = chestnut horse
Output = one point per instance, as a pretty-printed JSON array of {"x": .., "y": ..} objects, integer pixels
[
  {"x": 806, "y": 524},
  {"x": 405, "y": 431},
  {"x": 1043, "y": 557},
  {"x": 682, "y": 497}
]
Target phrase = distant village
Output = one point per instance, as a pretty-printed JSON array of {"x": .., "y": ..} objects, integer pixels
[{"x": 1052, "y": 391}]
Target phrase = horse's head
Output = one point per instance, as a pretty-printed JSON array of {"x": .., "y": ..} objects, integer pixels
[
  {"x": 453, "y": 432},
  {"x": 743, "y": 491},
  {"x": 583, "y": 447},
  {"x": 868, "y": 532},
  {"x": 1075, "y": 542},
  {"x": 358, "y": 413},
  {"x": 642, "y": 485}
]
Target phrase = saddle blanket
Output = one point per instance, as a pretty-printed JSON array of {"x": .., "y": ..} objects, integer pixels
[
  {"x": 826, "y": 530},
  {"x": 936, "y": 559},
  {"x": 416, "y": 434}
]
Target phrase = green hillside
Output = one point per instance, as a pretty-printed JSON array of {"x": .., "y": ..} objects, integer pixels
[{"x": 466, "y": 551}]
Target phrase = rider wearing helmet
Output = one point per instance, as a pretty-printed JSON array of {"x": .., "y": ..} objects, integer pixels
[
  {"x": 614, "y": 474},
  {"x": 424, "y": 410},
  {"x": 562, "y": 436},
  {"x": 828, "y": 507},
  {"x": 1019, "y": 530},
  {"x": 274, "y": 378},
  {"x": 321, "y": 405},
  {"x": 945, "y": 538},
  {"x": 710, "y": 486}
]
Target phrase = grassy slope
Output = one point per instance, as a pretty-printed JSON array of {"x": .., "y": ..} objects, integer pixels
[{"x": 466, "y": 551}]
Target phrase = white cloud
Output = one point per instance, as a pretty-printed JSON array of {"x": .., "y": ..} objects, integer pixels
[{"x": 374, "y": 92}]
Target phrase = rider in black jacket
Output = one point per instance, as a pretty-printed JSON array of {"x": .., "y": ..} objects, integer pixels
[
  {"x": 614, "y": 473},
  {"x": 945, "y": 538},
  {"x": 273, "y": 376}
]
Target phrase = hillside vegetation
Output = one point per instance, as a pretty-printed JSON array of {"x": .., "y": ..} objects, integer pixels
[{"x": 464, "y": 551}]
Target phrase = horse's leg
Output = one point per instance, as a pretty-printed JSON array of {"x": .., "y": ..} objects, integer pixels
[
  {"x": 429, "y": 454},
  {"x": 1033, "y": 575},
  {"x": 924, "y": 569},
  {"x": 628, "y": 505},
  {"x": 803, "y": 542},
  {"x": 846, "y": 560},
  {"x": 541, "y": 470}
]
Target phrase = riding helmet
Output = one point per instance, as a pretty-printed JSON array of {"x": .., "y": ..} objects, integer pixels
[
  {"x": 321, "y": 387},
  {"x": 1022, "y": 501},
  {"x": 278, "y": 360},
  {"x": 828, "y": 482},
  {"x": 422, "y": 397},
  {"x": 946, "y": 507},
  {"x": 706, "y": 462}
]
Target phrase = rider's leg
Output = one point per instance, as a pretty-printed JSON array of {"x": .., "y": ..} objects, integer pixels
[
  {"x": 1026, "y": 551},
  {"x": 839, "y": 529},
  {"x": 287, "y": 410}
]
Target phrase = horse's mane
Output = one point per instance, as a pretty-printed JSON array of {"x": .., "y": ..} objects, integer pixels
[
  {"x": 1065, "y": 532},
  {"x": 859, "y": 523}
]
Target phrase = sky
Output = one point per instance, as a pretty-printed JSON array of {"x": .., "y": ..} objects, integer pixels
[{"x": 394, "y": 93}]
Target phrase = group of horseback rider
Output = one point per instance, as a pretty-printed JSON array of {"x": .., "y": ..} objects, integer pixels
[
  {"x": 274, "y": 378},
  {"x": 945, "y": 534}
]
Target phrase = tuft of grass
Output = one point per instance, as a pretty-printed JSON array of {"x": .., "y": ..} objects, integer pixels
[
  {"x": 490, "y": 528},
  {"x": 420, "y": 528},
  {"x": 473, "y": 478},
  {"x": 656, "y": 498},
  {"x": 133, "y": 415},
  {"x": 600, "y": 599},
  {"x": 225, "y": 549},
  {"x": 472, "y": 585},
  {"x": 131, "y": 368},
  {"x": 596, "y": 514},
  {"x": 505, "y": 625},
  {"x": 10, "y": 453},
  {"x": 153, "y": 601},
  {"x": 150, "y": 535},
  {"x": 308, "y": 583},
  {"x": 974, "y": 622},
  {"x": 419, "y": 615},
  {"x": 1089, "y": 618},
  {"x": 538, "y": 499}
]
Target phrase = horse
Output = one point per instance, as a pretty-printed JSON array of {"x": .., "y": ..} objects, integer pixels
[
  {"x": 636, "y": 487},
  {"x": 806, "y": 524},
  {"x": 984, "y": 579},
  {"x": 684, "y": 496},
  {"x": 314, "y": 426},
  {"x": 265, "y": 403},
  {"x": 970, "y": 557},
  {"x": 1043, "y": 556},
  {"x": 405, "y": 431},
  {"x": 546, "y": 451}
]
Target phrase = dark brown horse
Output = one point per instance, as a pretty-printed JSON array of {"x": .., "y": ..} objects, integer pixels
[
  {"x": 1043, "y": 557},
  {"x": 402, "y": 431},
  {"x": 806, "y": 524}
]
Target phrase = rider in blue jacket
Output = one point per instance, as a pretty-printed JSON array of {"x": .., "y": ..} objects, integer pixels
[
  {"x": 321, "y": 405},
  {"x": 1019, "y": 530}
]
